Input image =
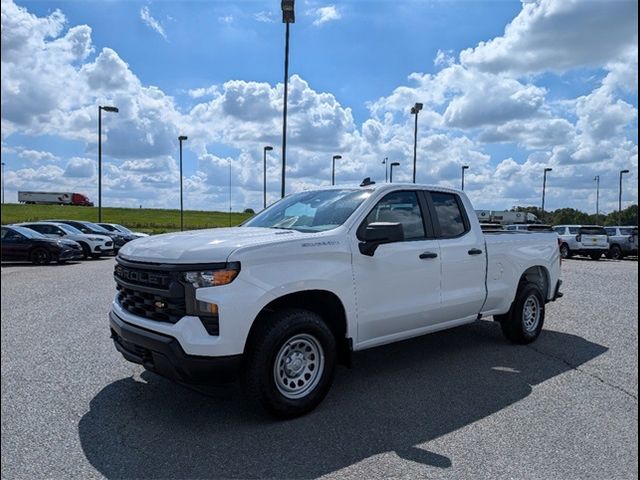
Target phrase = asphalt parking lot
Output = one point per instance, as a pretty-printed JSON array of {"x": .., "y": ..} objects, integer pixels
[{"x": 457, "y": 404}]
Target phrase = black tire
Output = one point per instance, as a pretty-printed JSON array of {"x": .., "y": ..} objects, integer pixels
[
  {"x": 517, "y": 325},
  {"x": 595, "y": 256},
  {"x": 40, "y": 256},
  {"x": 565, "y": 251},
  {"x": 285, "y": 331},
  {"x": 86, "y": 251},
  {"x": 615, "y": 253}
]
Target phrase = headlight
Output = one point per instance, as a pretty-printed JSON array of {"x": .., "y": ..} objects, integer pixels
[{"x": 213, "y": 278}]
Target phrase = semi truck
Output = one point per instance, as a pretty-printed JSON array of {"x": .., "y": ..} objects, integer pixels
[
  {"x": 505, "y": 217},
  {"x": 54, "y": 198}
]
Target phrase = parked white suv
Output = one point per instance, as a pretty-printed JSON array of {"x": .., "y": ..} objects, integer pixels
[
  {"x": 296, "y": 289},
  {"x": 93, "y": 245},
  {"x": 622, "y": 241},
  {"x": 586, "y": 240}
]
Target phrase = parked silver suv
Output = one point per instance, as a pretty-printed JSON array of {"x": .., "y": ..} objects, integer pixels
[
  {"x": 587, "y": 240},
  {"x": 622, "y": 241}
]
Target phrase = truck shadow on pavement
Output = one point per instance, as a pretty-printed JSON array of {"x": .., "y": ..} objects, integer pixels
[{"x": 395, "y": 398}]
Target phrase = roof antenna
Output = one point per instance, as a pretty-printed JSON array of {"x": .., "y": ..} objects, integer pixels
[{"x": 366, "y": 182}]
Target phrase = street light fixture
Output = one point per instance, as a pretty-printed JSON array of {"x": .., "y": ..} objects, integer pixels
[
  {"x": 414, "y": 111},
  {"x": 464, "y": 167},
  {"x": 544, "y": 188},
  {"x": 333, "y": 168},
  {"x": 266, "y": 149},
  {"x": 288, "y": 17},
  {"x": 597, "y": 180},
  {"x": 100, "y": 109},
  {"x": 620, "y": 196},
  {"x": 181, "y": 139},
  {"x": 385, "y": 162},
  {"x": 394, "y": 164}
]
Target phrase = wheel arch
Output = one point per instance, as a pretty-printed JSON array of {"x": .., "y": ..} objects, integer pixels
[
  {"x": 539, "y": 275},
  {"x": 323, "y": 302}
]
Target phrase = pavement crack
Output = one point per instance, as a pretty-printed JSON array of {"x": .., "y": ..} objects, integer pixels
[{"x": 585, "y": 372}]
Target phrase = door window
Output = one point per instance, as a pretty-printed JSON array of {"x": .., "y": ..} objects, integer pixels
[
  {"x": 402, "y": 208},
  {"x": 450, "y": 214}
]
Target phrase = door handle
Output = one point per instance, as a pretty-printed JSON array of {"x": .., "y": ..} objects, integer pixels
[
  {"x": 425, "y": 255},
  {"x": 475, "y": 251}
]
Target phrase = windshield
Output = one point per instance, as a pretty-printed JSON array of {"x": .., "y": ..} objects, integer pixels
[
  {"x": 316, "y": 211},
  {"x": 106, "y": 226},
  {"x": 121, "y": 228},
  {"x": 68, "y": 229},
  {"x": 27, "y": 232},
  {"x": 95, "y": 227}
]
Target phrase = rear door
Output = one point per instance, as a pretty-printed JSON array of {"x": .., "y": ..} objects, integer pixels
[
  {"x": 398, "y": 288},
  {"x": 463, "y": 257}
]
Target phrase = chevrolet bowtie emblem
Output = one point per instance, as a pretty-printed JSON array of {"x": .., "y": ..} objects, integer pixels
[{"x": 160, "y": 305}]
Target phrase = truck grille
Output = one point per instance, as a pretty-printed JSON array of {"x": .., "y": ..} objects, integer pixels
[
  {"x": 153, "y": 294},
  {"x": 153, "y": 307}
]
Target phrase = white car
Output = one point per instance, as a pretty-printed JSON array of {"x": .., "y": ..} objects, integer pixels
[
  {"x": 586, "y": 240},
  {"x": 318, "y": 275},
  {"x": 93, "y": 245}
]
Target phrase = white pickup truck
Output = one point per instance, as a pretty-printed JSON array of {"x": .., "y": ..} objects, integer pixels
[{"x": 280, "y": 300}]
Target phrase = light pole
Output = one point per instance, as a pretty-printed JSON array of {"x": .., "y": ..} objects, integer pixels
[
  {"x": 464, "y": 167},
  {"x": 100, "y": 109},
  {"x": 414, "y": 111},
  {"x": 266, "y": 149},
  {"x": 181, "y": 139},
  {"x": 597, "y": 180},
  {"x": 385, "y": 162},
  {"x": 288, "y": 17},
  {"x": 2, "y": 164},
  {"x": 333, "y": 168},
  {"x": 622, "y": 172},
  {"x": 544, "y": 188},
  {"x": 394, "y": 164}
]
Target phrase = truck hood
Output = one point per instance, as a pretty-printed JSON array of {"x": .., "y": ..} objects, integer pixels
[{"x": 202, "y": 246}]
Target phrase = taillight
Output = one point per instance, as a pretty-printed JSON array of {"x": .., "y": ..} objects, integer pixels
[{"x": 578, "y": 238}]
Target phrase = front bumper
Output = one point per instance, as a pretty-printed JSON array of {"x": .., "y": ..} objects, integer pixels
[
  {"x": 163, "y": 355},
  {"x": 70, "y": 254}
]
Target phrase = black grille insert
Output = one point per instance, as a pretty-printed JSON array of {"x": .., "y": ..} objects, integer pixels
[{"x": 152, "y": 306}]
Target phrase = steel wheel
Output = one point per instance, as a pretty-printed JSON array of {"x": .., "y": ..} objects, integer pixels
[
  {"x": 531, "y": 313},
  {"x": 298, "y": 366}
]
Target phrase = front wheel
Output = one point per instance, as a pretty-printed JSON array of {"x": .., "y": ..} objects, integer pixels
[
  {"x": 290, "y": 362},
  {"x": 40, "y": 256},
  {"x": 523, "y": 323}
]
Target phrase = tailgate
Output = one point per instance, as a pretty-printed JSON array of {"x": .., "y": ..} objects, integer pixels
[{"x": 594, "y": 237}]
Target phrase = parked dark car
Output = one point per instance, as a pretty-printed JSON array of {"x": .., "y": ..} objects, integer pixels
[
  {"x": 92, "y": 228},
  {"x": 24, "y": 244}
]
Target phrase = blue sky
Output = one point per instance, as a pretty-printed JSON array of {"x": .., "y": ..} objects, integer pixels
[{"x": 508, "y": 88}]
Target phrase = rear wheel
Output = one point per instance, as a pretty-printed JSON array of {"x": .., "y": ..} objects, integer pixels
[
  {"x": 565, "y": 252},
  {"x": 40, "y": 256},
  {"x": 290, "y": 362},
  {"x": 523, "y": 323},
  {"x": 615, "y": 253}
]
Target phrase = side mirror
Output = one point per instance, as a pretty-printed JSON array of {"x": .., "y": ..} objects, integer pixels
[{"x": 378, "y": 233}]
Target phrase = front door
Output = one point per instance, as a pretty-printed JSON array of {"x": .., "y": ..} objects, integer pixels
[{"x": 398, "y": 288}]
